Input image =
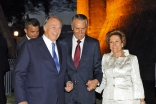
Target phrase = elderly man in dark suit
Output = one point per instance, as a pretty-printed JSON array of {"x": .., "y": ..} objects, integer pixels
[
  {"x": 31, "y": 29},
  {"x": 40, "y": 68},
  {"x": 4, "y": 67},
  {"x": 83, "y": 63}
]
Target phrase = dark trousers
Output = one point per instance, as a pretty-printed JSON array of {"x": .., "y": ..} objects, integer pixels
[
  {"x": 149, "y": 88},
  {"x": 75, "y": 98},
  {"x": 2, "y": 88}
]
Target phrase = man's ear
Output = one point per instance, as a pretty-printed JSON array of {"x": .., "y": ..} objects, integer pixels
[
  {"x": 44, "y": 28},
  {"x": 25, "y": 30},
  {"x": 72, "y": 27}
]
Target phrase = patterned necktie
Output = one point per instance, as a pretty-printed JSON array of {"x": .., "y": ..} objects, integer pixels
[
  {"x": 77, "y": 54},
  {"x": 55, "y": 58}
]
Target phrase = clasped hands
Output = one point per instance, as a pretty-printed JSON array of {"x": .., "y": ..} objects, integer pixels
[{"x": 92, "y": 84}]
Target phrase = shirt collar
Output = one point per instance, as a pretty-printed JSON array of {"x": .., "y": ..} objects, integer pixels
[
  {"x": 48, "y": 40},
  {"x": 75, "y": 39},
  {"x": 27, "y": 37}
]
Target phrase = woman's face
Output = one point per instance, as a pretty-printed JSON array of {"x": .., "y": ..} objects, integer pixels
[{"x": 116, "y": 44}]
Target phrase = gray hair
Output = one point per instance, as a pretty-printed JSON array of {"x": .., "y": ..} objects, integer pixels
[
  {"x": 52, "y": 16},
  {"x": 80, "y": 17}
]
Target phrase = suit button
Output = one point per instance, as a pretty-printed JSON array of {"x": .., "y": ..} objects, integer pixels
[
  {"x": 114, "y": 85},
  {"x": 114, "y": 77}
]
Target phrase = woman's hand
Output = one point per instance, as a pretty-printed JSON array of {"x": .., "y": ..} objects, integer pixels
[{"x": 142, "y": 101}]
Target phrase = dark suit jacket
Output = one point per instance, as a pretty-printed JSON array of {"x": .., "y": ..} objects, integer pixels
[
  {"x": 20, "y": 43},
  {"x": 36, "y": 79},
  {"x": 4, "y": 64},
  {"x": 89, "y": 68}
]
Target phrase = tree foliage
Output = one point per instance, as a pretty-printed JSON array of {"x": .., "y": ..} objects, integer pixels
[{"x": 14, "y": 12}]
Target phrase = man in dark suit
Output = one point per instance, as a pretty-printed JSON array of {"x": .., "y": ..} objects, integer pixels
[
  {"x": 83, "y": 63},
  {"x": 40, "y": 68},
  {"x": 4, "y": 67},
  {"x": 31, "y": 29}
]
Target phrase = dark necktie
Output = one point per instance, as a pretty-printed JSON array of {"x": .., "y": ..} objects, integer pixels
[
  {"x": 77, "y": 54},
  {"x": 55, "y": 58}
]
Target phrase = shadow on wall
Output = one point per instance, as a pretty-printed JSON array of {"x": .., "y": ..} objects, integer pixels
[
  {"x": 140, "y": 29},
  {"x": 141, "y": 39}
]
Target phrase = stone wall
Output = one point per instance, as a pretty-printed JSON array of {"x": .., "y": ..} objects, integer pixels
[{"x": 136, "y": 18}]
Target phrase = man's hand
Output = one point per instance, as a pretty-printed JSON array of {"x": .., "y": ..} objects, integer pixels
[
  {"x": 24, "y": 102},
  {"x": 92, "y": 84},
  {"x": 69, "y": 86}
]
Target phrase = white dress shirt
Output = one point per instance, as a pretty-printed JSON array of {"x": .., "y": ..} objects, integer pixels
[
  {"x": 27, "y": 37},
  {"x": 74, "y": 44},
  {"x": 48, "y": 43}
]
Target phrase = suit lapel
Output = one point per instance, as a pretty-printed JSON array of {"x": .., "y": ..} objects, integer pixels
[
  {"x": 45, "y": 52},
  {"x": 84, "y": 51},
  {"x": 60, "y": 55},
  {"x": 70, "y": 52},
  {"x": 25, "y": 38},
  {"x": 85, "y": 47}
]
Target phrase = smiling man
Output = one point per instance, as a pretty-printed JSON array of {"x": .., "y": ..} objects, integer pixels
[
  {"x": 83, "y": 63},
  {"x": 40, "y": 68}
]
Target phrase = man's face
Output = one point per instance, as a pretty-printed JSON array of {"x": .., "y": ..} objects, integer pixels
[
  {"x": 52, "y": 29},
  {"x": 32, "y": 31},
  {"x": 79, "y": 28}
]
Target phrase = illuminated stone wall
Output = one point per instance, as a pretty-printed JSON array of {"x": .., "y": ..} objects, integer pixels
[
  {"x": 83, "y": 7},
  {"x": 105, "y": 15},
  {"x": 95, "y": 11},
  {"x": 116, "y": 12},
  {"x": 97, "y": 15}
]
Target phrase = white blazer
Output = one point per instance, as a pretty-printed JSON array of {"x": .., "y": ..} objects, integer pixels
[{"x": 121, "y": 78}]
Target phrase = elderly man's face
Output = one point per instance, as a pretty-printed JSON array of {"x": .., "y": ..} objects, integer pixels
[
  {"x": 53, "y": 29},
  {"x": 79, "y": 28}
]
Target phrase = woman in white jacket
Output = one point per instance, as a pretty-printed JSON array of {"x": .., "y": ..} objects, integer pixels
[{"x": 121, "y": 76}]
